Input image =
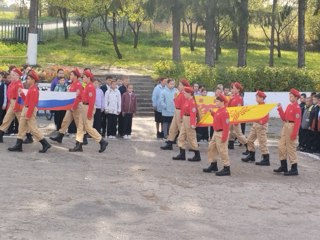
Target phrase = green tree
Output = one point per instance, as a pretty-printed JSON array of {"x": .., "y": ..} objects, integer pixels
[
  {"x": 301, "y": 33},
  {"x": 63, "y": 9}
]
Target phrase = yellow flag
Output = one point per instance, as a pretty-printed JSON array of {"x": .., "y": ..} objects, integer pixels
[{"x": 241, "y": 114}]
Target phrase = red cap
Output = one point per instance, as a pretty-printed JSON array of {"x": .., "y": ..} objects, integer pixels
[
  {"x": 34, "y": 75},
  {"x": 261, "y": 94},
  {"x": 76, "y": 72},
  {"x": 238, "y": 86},
  {"x": 223, "y": 98},
  {"x": 295, "y": 92},
  {"x": 185, "y": 83},
  {"x": 188, "y": 89},
  {"x": 17, "y": 70},
  {"x": 88, "y": 74}
]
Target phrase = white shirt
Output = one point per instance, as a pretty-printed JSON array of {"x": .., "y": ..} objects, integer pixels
[{"x": 113, "y": 101}]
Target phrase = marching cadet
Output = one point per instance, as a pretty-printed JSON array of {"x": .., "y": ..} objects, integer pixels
[
  {"x": 219, "y": 142},
  {"x": 188, "y": 128},
  {"x": 259, "y": 131},
  {"x": 86, "y": 116},
  {"x": 14, "y": 110},
  {"x": 74, "y": 112},
  {"x": 235, "y": 129},
  {"x": 287, "y": 144},
  {"x": 28, "y": 116},
  {"x": 175, "y": 126}
]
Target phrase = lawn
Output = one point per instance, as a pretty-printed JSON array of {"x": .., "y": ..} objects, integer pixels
[{"x": 152, "y": 48}]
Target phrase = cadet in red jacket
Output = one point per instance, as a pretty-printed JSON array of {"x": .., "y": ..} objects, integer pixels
[
  {"x": 28, "y": 116},
  {"x": 235, "y": 129},
  {"x": 86, "y": 117},
  {"x": 288, "y": 141},
  {"x": 75, "y": 111},
  {"x": 176, "y": 121},
  {"x": 14, "y": 109},
  {"x": 188, "y": 127},
  {"x": 219, "y": 142},
  {"x": 259, "y": 130}
]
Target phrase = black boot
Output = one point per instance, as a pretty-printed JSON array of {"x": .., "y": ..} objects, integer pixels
[
  {"x": 250, "y": 158},
  {"x": 283, "y": 167},
  {"x": 293, "y": 171},
  {"x": 224, "y": 172},
  {"x": 231, "y": 145},
  {"x": 58, "y": 138},
  {"x": 1, "y": 136},
  {"x": 103, "y": 145},
  {"x": 77, "y": 148},
  {"x": 45, "y": 145},
  {"x": 85, "y": 139},
  {"x": 212, "y": 168},
  {"x": 28, "y": 139},
  {"x": 196, "y": 157},
  {"x": 181, "y": 155},
  {"x": 168, "y": 146},
  {"x": 265, "y": 160},
  {"x": 247, "y": 151},
  {"x": 17, "y": 147}
]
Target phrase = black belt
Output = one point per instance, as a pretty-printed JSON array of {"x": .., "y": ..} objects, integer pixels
[
  {"x": 290, "y": 121},
  {"x": 187, "y": 115},
  {"x": 219, "y": 130},
  {"x": 13, "y": 98},
  {"x": 178, "y": 108},
  {"x": 85, "y": 103},
  {"x": 26, "y": 106}
]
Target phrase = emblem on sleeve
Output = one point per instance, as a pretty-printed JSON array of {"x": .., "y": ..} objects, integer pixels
[
  {"x": 297, "y": 115},
  {"x": 227, "y": 120},
  {"x": 194, "y": 109},
  {"x": 90, "y": 94}
]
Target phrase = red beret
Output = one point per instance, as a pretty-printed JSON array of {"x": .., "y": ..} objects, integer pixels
[
  {"x": 77, "y": 72},
  {"x": 188, "y": 89},
  {"x": 223, "y": 98},
  {"x": 185, "y": 82},
  {"x": 295, "y": 92},
  {"x": 17, "y": 70},
  {"x": 261, "y": 94},
  {"x": 34, "y": 75},
  {"x": 238, "y": 86},
  {"x": 88, "y": 74}
]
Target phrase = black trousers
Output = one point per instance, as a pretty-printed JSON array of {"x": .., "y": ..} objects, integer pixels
[
  {"x": 97, "y": 120},
  {"x": 72, "y": 128},
  {"x": 121, "y": 125},
  {"x": 14, "y": 126},
  {"x": 2, "y": 113},
  {"x": 103, "y": 123},
  {"x": 127, "y": 123},
  {"x": 202, "y": 133},
  {"x": 112, "y": 124},
  {"x": 58, "y": 118}
]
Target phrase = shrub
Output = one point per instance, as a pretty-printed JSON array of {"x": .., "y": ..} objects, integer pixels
[{"x": 264, "y": 78}]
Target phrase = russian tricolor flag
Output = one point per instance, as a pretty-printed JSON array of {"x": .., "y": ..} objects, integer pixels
[{"x": 54, "y": 100}]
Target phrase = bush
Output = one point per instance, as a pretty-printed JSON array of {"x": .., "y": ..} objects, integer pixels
[{"x": 266, "y": 78}]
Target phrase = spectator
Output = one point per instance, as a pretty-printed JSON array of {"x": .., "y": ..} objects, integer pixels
[
  {"x": 315, "y": 124},
  {"x": 59, "y": 114},
  {"x": 3, "y": 97},
  {"x": 104, "y": 88},
  {"x": 99, "y": 105},
  {"x": 122, "y": 89},
  {"x": 112, "y": 108},
  {"x": 226, "y": 91},
  {"x": 305, "y": 134},
  {"x": 54, "y": 82},
  {"x": 167, "y": 105},
  {"x": 128, "y": 108},
  {"x": 196, "y": 89},
  {"x": 157, "y": 106}
]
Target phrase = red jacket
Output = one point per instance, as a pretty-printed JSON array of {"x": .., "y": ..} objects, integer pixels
[
  {"x": 221, "y": 122},
  {"x": 13, "y": 94},
  {"x": 235, "y": 101},
  {"x": 89, "y": 98},
  {"x": 189, "y": 108},
  {"x": 31, "y": 100},
  {"x": 264, "y": 120},
  {"x": 128, "y": 103},
  {"x": 76, "y": 87},
  {"x": 292, "y": 114},
  {"x": 179, "y": 100}
]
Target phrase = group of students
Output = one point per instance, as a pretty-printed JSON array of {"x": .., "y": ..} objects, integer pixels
[
  {"x": 184, "y": 124},
  {"x": 82, "y": 110},
  {"x": 115, "y": 104}
]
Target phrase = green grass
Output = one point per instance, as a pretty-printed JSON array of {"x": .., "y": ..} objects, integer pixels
[{"x": 152, "y": 48}]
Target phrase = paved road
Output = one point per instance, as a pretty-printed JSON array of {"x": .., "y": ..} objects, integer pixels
[{"x": 134, "y": 191}]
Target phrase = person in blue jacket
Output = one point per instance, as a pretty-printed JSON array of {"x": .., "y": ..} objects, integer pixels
[{"x": 157, "y": 106}]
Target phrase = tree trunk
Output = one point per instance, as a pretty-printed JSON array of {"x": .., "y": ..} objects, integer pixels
[
  {"x": 301, "y": 33},
  {"x": 273, "y": 21},
  {"x": 136, "y": 38},
  {"x": 64, "y": 17},
  {"x": 243, "y": 33},
  {"x": 278, "y": 45},
  {"x": 176, "y": 32},
  {"x": 32, "y": 35},
  {"x": 234, "y": 35},
  {"x": 209, "y": 35},
  {"x": 115, "y": 37}
]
